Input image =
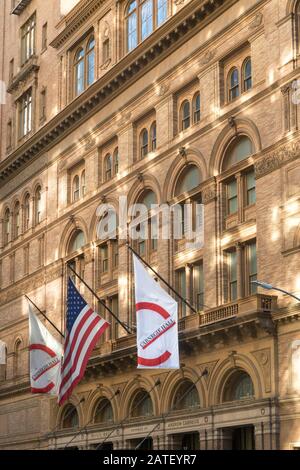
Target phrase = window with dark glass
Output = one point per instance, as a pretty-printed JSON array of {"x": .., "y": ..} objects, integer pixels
[
  {"x": 28, "y": 39},
  {"x": 187, "y": 396},
  {"x": 153, "y": 136},
  {"x": 232, "y": 275},
  {"x": 252, "y": 266},
  {"x": 247, "y": 74},
  {"x": 104, "y": 412},
  {"x": 70, "y": 418},
  {"x": 234, "y": 85},
  {"x": 76, "y": 188},
  {"x": 38, "y": 205},
  {"x": 25, "y": 114},
  {"x": 185, "y": 115},
  {"x": 27, "y": 211},
  {"x": 232, "y": 197},
  {"x": 144, "y": 143},
  {"x": 104, "y": 258},
  {"x": 239, "y": 386},
  {"x": 180, "y": 278},
  {"x": 250, "y": 188},
  {"x": 6, "y": 226},
  {"x": 196, "y": 108},
  {"x": 116, "y": 161},
  {"x": 83, "y": 187},
  {"x": 142, "y": 405},
  {"x": 17, "y": 220},
  {"x": 198, "y": 286}
]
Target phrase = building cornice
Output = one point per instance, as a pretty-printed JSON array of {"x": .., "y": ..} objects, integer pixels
[
  {"x": 180, "y": 28},
  {"x": 75, "y": 19}
]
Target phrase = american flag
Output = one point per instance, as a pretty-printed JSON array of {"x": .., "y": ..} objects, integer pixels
[{"x": 83, "y": 329}]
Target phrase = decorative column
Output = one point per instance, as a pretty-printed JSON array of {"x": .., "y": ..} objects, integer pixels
[
  {"x": 239, "y": 270},
  {"x": 211, "y": 263}
]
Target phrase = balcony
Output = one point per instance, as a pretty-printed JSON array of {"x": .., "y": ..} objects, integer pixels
[{"x": 20, "y": 7}]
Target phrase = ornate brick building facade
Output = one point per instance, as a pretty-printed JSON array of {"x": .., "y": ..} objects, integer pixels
[{"x": 161, "y": 101}]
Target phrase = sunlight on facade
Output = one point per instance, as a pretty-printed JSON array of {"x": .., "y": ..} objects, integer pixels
[
  {"x": 271, "y": 76},
  {"x": 292, "y": 207},
  {"x": 293, "y": 222},
  {"x": 287, "y": 57},
  {"x": 67, "y": 5}
]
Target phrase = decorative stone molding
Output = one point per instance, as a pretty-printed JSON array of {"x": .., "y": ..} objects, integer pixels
[
  {"x": 263, "y": 357},
  {"x": 256, "y": 22},
  {"x": 29, "y": 69},
  {"x": 278, "y": 158},
  {"x": 162, "y": 90},
  {"x": 125, "y": 118},
  {"x": 208, "y": 56},
  {"x": 209, "y": 366},
  {"x": 209, "y": 193}
]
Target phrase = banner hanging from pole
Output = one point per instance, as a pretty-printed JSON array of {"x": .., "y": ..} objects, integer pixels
[
  {"x": 157, "y": 322},
  {"x": 45, "y": 357}
]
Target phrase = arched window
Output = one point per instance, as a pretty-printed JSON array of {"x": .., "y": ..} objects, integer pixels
[
  {"x": 162, "y": 11},
  {"x": 153, "y": 136},
  {"x": 79, "y": 71},
  {"x": 108, "y": 167},
  {"x": 185, "y": 115},
  {"x": 148, "y": 227},
  {"x": 27, "y": 211},
  {"x": 38, "y": 205},
  {"x": 196, "y": 108},
  {"x": 186, "y": 397},
  {"x": 76, "y": 188},
  {"x": 144, "y": 143},
  {"x": 77, "y": 241},
  {"x": 116, "y": 161},
  {"x": 239, "y": 386},
  {"x": 90, "y": 54},
  {"x": 17, "y": 220},
  {"x": 104, "y": 412},
  {"x": 240, "y": 149},
  {"x": 233, "y": 84},
  {"x": 146, "y": 15},
  {"x": 132, "y": 26},
  {"x": 69, "y": 418},
  {"x": 189, "y": 179},
  {"x": 17, "y": 358},
  {"x": 247, "y": 74},
  {"x": 141, "y": 405},
  {"x": 148, "y": 199},
  {"x": 6, "y": 234},
  {"x": 83, "y": 187}
]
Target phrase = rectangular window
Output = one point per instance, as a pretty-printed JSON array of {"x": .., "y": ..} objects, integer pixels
[
  {"x": 104, "y": 258},
  {"x": 154, "y": 232},
  {"x": 43, "y": 98},
  {"x": 25, "y": 114},
  {"x": 11, "y": 70},
  {"x": 44, "y": 36},
  {"x": 28, "y": 39},
  {"x": 115, "y": 309},
  {"x": 198, "y": 286},
  {"x": 232, "y": 199},
  {"x": 9, "y": 135},
  {"x": 252, "y": 267},
  {"x": 251, "y": 188},
  {"x": 115, "y": 253},
  {"x": 147, "y": 18},
  {"x": 181, "y": 289},
  {"x": 232, "y": 275}
]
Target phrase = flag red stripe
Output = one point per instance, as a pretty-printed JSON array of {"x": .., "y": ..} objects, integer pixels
[
  {"x": 66, "y": 377},
  {"x": 84, "y": 363},
  {"x": 156, "y": 361},
  {"x": 43, "y": 390},
  {"x": 151, "y": 306},
  {"x": 42, "y": 347},
  {"x": 75, "y": 336}
]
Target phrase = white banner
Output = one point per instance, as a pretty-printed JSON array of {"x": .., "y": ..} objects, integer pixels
[
  {"x": 157, "y": 322},
  {"x": 2, "y": 352},
  {"x": 45, "y": 358}
]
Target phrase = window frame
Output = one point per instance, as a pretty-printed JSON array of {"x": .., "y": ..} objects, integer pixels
[
  {"x": 28, "y": 39},
  {"x": 84, "y": 46},
  {"x": 230, "y": 87}
]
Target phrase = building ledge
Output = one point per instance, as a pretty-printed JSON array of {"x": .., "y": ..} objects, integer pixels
[
  {"x": 20, "y": 7},
  {"x": 31, "y": 66}
]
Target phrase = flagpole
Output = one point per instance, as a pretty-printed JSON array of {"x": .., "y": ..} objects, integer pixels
[
  {"x": 126, "y": 328},
  {"x": 45, "y": 316},
  {"x": 162, "y": 279}
]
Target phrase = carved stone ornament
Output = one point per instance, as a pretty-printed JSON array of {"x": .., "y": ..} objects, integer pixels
[
  {"x": 257, "y": 21},
  {"x": 178, "y": 2},
  {"x": 162, "y": 90},
  {"x": 209, "y": 193},
  {"x": 208, "y": 56},
  {"x": 263, "y": 358},
  {"x": 125, "y": 118},
  {"x": 105, "y": 64},
  {"x": 275, "y": 160},
  {"x": 209, "y": 366}
]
